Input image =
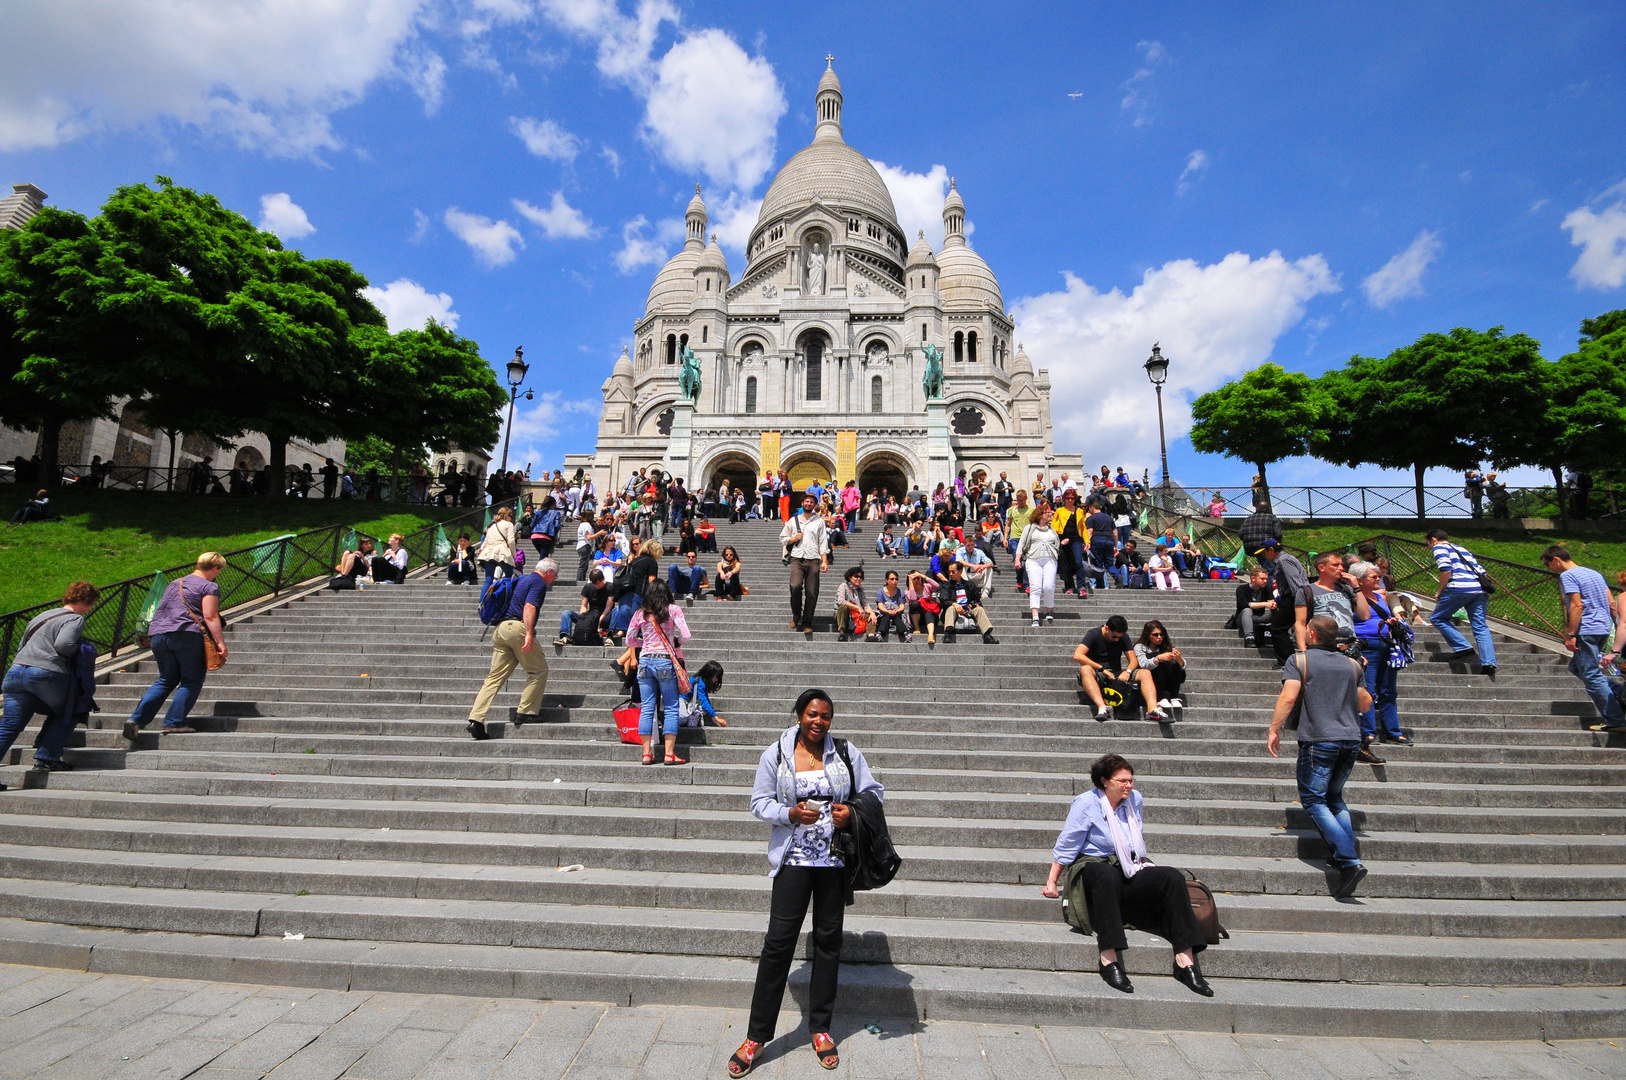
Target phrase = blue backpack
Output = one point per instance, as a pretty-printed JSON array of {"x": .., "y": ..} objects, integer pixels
[{"x": 494, "y": 604}]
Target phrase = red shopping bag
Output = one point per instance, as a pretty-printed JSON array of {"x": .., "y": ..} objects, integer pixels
[{"x": 626, "y": 722}]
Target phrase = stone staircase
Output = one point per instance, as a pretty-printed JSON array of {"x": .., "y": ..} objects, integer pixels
[{"x": 332, "y": 792}]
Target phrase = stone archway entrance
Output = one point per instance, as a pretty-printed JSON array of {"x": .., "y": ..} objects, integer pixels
[
  {"x": 804, "y": 468},
  {"x": 738, "y": 469},
  {"x": 883, "y": 470}
]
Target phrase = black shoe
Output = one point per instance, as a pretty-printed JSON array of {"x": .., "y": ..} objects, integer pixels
[
  {"x": 1464, "y": 654},
  {"x": 521, "y": 719},
  {"x": 478, "y": 730},
  {"x": 1348, "y": 878},
  {"x": 51, "y": 766},
  {"x": 1193, "y": 978},
  {"x": 990, "y": 639},
  {"x": 1367, "y": 757},
  {"x": 1113, "y": 975},
  {"x": 1487, "y": 669},
  {"x": 1398, "y": 740},
  {"x": 845, "y": 636},
  {"x": 1249, "y": 643},
  {"x": 130, "y": 730},
  {"x": 949, "y": 636}
]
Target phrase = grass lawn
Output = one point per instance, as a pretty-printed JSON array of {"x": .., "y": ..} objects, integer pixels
[
  {"x": 1603, "y": 551},
  {"x": 108, "y": 536}
]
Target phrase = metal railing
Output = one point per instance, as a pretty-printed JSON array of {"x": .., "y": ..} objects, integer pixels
[
  {"x": 1354, "y": 503},
  {"x": 196, "y": 481}
]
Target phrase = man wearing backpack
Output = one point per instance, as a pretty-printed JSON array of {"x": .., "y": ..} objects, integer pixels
[
  {"x": 1460, "y": 587},
  {"x": 513, "y": 644}
]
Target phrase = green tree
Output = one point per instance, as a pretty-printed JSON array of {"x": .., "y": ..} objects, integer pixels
[
  {"x": 1445, "y": 401},
  {"x": 238, "y": 334},
  {"x": 1267, "y": 415},
  {"x": 62, "y": 354},
  {"x": 371, "y": 452},
  {"x": 426, "y": 388}
]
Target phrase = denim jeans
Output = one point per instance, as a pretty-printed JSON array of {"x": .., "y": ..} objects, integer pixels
[
  {"x": 625, "y": 608},
  {"x": 181, "y": 669},
  {"x": 657, "y": 681},
  {"x": 31, "y": 690},
  {"x": 1452, "y": 601},
  {"x": 491, "y": 567},
  {"x": 1584, "y": 666},
  {"x": 1382, "y": 683},
  {"x": 1103, "y": 556},
  {"x": 1324, "y": 768}
]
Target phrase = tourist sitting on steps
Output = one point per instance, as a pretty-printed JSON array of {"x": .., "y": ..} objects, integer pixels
[
  {"x": 891, "y": 610},
  {"x": 963, "y": 599},
  {"x": 687, "y": 579},
  {"x": 1156, "y": 655},
  {"x": 803, "y": 785},
  {"x": 585, "y": 626},
  {"x": 460, "y": 567},
  {"x": 1165, "y": 575},
  {"x": 925, "y": 606},
  {"x": 353, "y": 565},
  {"x": 850, "y": 606},
  {"x": 1106, "y": 661},
  {"x": 727, "y": 585},
  {"x": 1102, "y": 850},
  {"x": 389, "y": 568},
  {"x": 1255, "y": 608}
]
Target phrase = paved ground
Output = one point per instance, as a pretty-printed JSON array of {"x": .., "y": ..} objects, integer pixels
[{"x": 61, "y": 1025}]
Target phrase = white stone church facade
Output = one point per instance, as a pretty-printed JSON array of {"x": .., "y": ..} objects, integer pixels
[{"x": 813, "y": 360}]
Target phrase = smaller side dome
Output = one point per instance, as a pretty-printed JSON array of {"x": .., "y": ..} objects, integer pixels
[
  {"x": 1020, "y": 364},
  {"x": 673, "y": 287},
  {"x": 712, "y": 259},
  {"x": 921, "y": 254},
  {"x": 623, "y": 366}
]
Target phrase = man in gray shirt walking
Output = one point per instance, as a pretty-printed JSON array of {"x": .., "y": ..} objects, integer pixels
[
  {"x": 1330, "y": 693},
  {"x": 807, "y": 553}
]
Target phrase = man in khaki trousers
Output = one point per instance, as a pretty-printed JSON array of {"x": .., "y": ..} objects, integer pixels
[{"x": 513, "y": 644}]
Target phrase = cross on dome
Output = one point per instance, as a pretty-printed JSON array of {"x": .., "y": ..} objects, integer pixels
[{"x": 830, "y": 61}]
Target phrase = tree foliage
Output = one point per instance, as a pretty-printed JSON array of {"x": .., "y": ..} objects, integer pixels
[{"x": 1267, "y": 415}]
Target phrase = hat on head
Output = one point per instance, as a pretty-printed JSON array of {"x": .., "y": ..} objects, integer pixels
[{"x": 1267, "y": 545}]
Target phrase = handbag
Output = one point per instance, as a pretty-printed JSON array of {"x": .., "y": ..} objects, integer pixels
[
  {"x": 677, "y": 664},
  {"x": 1486, "y": 585},
  {"x": 626, "y": 722},
  {"x": 1204, "y": 908},
  {"x": 212, "y": 660}
]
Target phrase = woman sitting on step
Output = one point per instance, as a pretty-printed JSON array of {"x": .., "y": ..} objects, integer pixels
[
  {"x": 803, "y": 784},
  {"x": 1102, "y": 843},
  {"x": 727, "y": 585},
  {"x": 1157, "y": 655},
  {"x": 1162, "y": 568}
]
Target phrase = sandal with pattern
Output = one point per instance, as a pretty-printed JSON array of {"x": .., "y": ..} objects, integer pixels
[
  {"x": 744, "y": 1058},
  {"x": 827, "y": 1054}
]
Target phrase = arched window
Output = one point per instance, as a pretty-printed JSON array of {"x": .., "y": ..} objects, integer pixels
[
  {"x": 971, "y": 346},
  {"x": 959, "y": 347},
  {"x": 751, "y": 394},
  {"x": 875, "y": 394},
  {"x": 815, "y": 369},
  {"x": 923, "y": 332},
  {"x": 671, "y": 348},
  {"x": 705, "y": 332},
  {"x": 683, "y": 343}
]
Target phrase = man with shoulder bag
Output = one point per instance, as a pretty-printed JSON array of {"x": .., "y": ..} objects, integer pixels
[{"x": 1323, "y": 695}]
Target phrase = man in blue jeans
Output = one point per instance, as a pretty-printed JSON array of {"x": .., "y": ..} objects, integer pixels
[
  {"x": 1329, "y": 690},
  {"x": 1588, "y": 618},
  {"x": 1459, "y": 589}
]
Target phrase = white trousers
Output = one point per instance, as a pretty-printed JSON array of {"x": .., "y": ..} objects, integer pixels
[{"x": 1041, "y": 583}]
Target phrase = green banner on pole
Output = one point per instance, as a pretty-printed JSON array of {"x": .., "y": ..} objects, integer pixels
[{"x": 155, "y": 594}]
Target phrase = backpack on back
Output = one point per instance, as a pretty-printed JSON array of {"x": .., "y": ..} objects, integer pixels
[{"x": 494, "y": 604}]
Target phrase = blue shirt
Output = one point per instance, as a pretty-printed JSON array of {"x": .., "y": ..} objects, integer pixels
[
  {"x": 530, "y": 590},
  {"x": 1448, "y": 556},
  {"x": 1595, "y": 599},
  {"x": 1086, "y": 832}
]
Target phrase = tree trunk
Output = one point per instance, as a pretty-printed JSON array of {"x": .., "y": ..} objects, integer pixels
[
  {"x": 169, "y": 483},
  {"x": 1417, "y": 471},
  {"x": 277, "y": 465},
  {"x": 1562, "y": 496},
  {"x": 395, "y": 474},
  {"x": 1264, "y": 484},
  {"x": 50, "y": 435}
]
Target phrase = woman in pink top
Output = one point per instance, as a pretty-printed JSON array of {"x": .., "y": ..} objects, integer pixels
[
  {"x": 656, "y": 624},
  {"x": 851, "y": 499}
]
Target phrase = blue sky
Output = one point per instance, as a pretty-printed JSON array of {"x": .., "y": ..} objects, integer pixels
[{"x": 1296, "y": 183}]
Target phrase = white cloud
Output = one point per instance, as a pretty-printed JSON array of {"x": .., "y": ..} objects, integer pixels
[
  {"x": 1402, "y": 276},
  {"x": 281, "y": 215},
  {"x": 420, "y": 225},
  {"x": 1601, "y": 236},
  {"x": 918, "y": 198},
  {"x": 732, "y": 219},
  {"x": 492, "y": 241},
  {"x": 637, "y": 249},
  {"x": 546, "y": 139},
  {"x": 612, "y": 158},
  {"x": 1538, "y": 204},
  {"x": 268, "y": 75},
  {"x": 407, "y": 305},
  {"x": 1196, "y": 165},
  {"x": 1214, "y": 322},
  {"x": 1139, "y": 98},
  {"x": 624, "y": 42},
  {"x": 560, "y": 221},
  {"x": 714, "y": 109},
  {"x": 538, "y": 424}
]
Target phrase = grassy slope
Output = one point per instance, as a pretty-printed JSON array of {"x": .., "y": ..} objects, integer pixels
[
  {"x": 1603, "y": 551},
  {"x": 107, "y": 536}
]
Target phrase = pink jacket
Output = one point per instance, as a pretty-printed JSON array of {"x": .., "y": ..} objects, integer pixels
[{"x": 641, "y": 632}]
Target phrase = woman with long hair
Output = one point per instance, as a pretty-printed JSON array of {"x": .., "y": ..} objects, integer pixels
[
  {"x": 1156, "y": 654},
  {"x": 658, "y": 632},
  {"x": 803, "y": 785},
  {"x": 1068, "y": 521},
  {"x": 728, "y": 585}
]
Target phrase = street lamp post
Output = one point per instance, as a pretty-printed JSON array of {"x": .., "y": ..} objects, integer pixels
[
  {"x": 517, "y": 367},
  {"x": 1157, "y": 369}
]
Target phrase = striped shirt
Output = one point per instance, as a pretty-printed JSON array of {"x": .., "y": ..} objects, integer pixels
[{"x": 1464, "y": 575}]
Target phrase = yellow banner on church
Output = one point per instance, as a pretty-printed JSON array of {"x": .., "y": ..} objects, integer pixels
[
  {"x": 770, "y": 451},
  {"x": 846, "y": 456}
]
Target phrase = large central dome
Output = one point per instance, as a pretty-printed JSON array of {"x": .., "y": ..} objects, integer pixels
[{"x": 828, "y": 169}]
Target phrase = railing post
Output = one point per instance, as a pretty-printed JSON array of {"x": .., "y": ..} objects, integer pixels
[
  {"x": 1364, "y": 514},
  {"x": 1309, "y": 502},
  {"x": 282, "y": 557},
  {"x": 118, "y": 624}
]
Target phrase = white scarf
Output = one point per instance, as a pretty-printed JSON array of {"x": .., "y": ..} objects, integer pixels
[{"x": 1128, "y": 842}]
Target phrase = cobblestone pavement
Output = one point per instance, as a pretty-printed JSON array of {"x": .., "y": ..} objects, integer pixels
[{"x": 62, "y": 1025}]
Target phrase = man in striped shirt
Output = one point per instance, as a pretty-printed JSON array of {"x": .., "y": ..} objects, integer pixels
[{"x": 1460, "y": 589}]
